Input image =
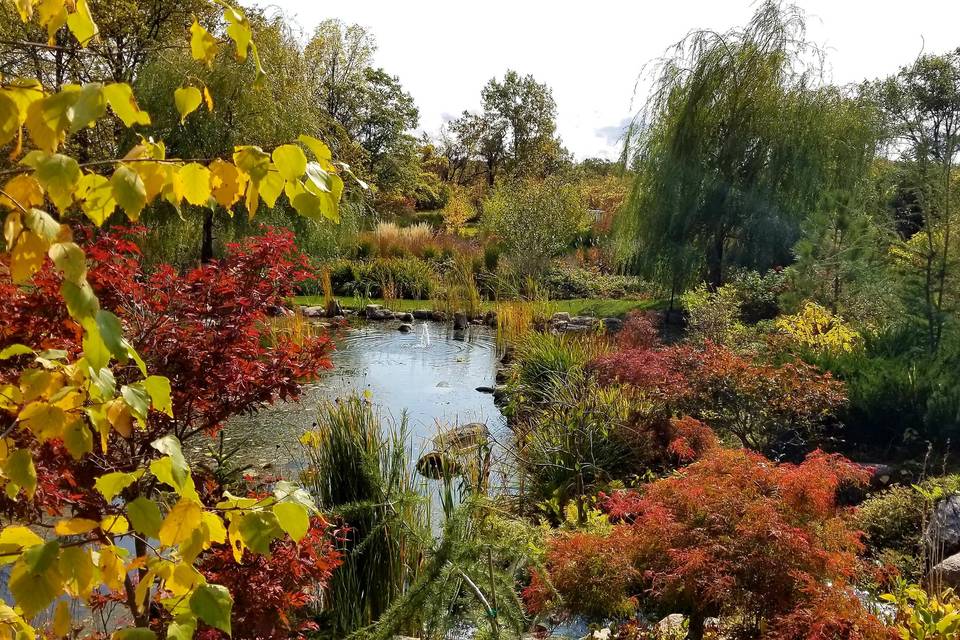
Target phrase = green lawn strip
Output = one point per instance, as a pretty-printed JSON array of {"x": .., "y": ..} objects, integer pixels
[{"x": 599, "y": 307}]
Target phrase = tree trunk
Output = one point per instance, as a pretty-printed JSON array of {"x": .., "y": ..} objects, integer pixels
[
  {"x": 695, "y": 629},
  {"x": 206, "y": 247},
  {"x": 715, "y": 262}
]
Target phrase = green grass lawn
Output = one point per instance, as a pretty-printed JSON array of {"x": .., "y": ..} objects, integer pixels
[{"x": 599, "y": 307}]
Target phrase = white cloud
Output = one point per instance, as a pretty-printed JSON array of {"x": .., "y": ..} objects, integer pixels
[{"x": 592, "y": 54}]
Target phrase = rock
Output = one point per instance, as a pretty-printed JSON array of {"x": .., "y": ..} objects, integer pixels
[
  {"x": 376, "y": 312},
  {"x": 436, "y": 464},
  {"x": 423, "y": 314},
  {"x": 463, "y": 437},
  {"x": 501, "y": 375},
  {"x": 490, "y": 318},
  {"x": 313, "y": 312},
  {"x": 947, "y": 572},
  {"x": 403, "y": 317},
  {"x": 459, "y": 321},
  {"x": 560, "y": 316},
  {"x": 405, "y": 328},
  {"x": 499, "y": 392},
  {"x": 370, "y": 308},
  {"x": 438, "y": 316},
  {"x": 670, "y": 625},
  {"x": 942, "y": 536},
  {"x": 485, "y": 389},
  {"x": 612, "y": 325},
  {"x": 277, "y": 310}
]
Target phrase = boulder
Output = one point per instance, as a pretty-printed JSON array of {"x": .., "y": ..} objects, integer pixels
[
  {"x": 483, "y": 389},
  {"x": 669, "y": 626},
  {"x": 405, "y": 328},
  {"x": 403, "y": 316},
  {"x": 423, "y": 314},
  {"x": 463, "y": 437},
  {"x": 376, "y": 312},
  {"x": 942, "y": 536},
  {"x": 459, "y": 321},
  {"x": 560, "y": 316},
  {"x": 313, "y": 312},
  {"x": 612, "y": 325},
  {"x": 490, "y": 318},
  {"x": 947, "y": 572},
  {"x": 438, "y": 316},
  {"x": 278, "y": 310}
]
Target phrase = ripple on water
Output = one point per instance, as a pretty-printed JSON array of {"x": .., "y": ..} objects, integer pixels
[{"x": 431, "y": 373}]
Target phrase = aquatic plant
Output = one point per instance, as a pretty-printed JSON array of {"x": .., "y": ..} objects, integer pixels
[{"x": 361, "y": 472}]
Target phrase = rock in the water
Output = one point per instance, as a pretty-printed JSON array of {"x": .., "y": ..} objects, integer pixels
[
  {"x": 947, "y": 572},
  {"x": 423, "y": 314},
  {"x": 499, "y": 392},
  {"x": 376, "y": 312},
  {"x": 403, "y": 316},
  {"x": 459, "y": 321},
  {"x": 313, "y": 312},
  {"x": 485, "y": 389},
  {"x": 463, "y": 437},
  {"x": 943, "y": 533},
  {"x": 490, "y": 318},
  {"x": 438, "y": 316},
  {"x": 436, "y": 464},
  {"x": 405, "y": 328},
  {"x": 612, "y": 325}
]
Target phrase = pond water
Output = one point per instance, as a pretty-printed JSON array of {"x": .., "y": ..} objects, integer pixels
[{"x": 431, "y": 373}]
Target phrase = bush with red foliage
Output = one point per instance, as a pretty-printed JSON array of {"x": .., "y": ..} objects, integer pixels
[
  {"x": 736, "y": 535},
  {"x": 273, "y": 594},
  {"x": 659, "y": 442},
  {"x": 593, "y": 574},
  {"x": 207, "y": 330},
  {"x": 639, "y": 331}
]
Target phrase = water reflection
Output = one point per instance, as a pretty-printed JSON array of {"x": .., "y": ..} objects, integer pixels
[{"x": 432, "y": 373}]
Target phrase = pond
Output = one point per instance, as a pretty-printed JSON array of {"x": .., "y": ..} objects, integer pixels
[{"x": 431, "y": 373}]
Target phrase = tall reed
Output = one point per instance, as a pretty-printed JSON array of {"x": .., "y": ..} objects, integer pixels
[
  {"x": 361, "y": 473},
  {"x": 459, "y": 292}
]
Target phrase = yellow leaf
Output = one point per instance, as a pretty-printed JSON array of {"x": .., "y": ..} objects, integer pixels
[
  {"x": 25, "y": 9},
  {"x": 77, "y": 439},
  {"x": 74, "y": 526},
  {"x": 271, "y": 187},
  {"x": 96, "y": 198},
  {"x": 207, "y": 98},
  {"x": 44, "y": 225},
  {"x": 196, "y": 183},
  {"x": 185, "y": 516},
  {"x": 203, "y": 46},
  {"x": 320, "y": 150},
  {"x": 27, "y": 257},
  {"x": 155, "y": 176},
  {"x": 20, "y": 471},
  {"x": 111, "y": 567},
  {"x": 51, "y": 14},
  {"x": 9, "y": 118},
  {"x": 115, "y": 525},
  {"x": 62, "y": 620},
  {"x": 44, "y": 420},
  {"x": 77, "y": 569},
  {"x": 215, "y": 529},
  {"x": 290, "y": 160},
  {"x": 49, "y": 119},
  {"x": 12, "y": 227},
  {"x": 23, "y": 190},
  {"x": 239, "y": 31},
  {"x": 187, "y": 100},
  {"x": 120, "y": 97},
  {"x": 227, "y": 182},
  {"x": 14, "y": 539},
  {"x": 81, "y": 24},
  {"x": 129, "y": 191},
  {"x": 70, "y": 260},
  {"x": 120, "y": 418},
  {"x": 24, "y": 92}
]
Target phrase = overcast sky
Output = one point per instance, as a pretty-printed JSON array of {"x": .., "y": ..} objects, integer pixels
[{"x": 592, "y": 53}]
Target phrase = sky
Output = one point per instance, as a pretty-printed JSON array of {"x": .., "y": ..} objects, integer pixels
[{"x": 596, "y": 55}]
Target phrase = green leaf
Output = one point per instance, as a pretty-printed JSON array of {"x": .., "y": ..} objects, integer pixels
[
  {"x": 129, "y": 191},
  {"x": 111, "y": 332},
  {"x": 34, "y": 580},
  {"x": 91, "y": 105},
  {"x": 145, "y": 517},
  {"x": 120, "y": 97},
  {"x": 213, "y": 604},
  {"x": 112, "y": 484},
  {"x": 258, "y": 529},
  {"x": 253, "y": 161},
  {"x": 170, "y": 446},
  {"x": 70, "y": 260},
  {"x": 81, "y": 301},
  {"x": 187, "y": 100},
  {"x": 43, "y": 224},
  {"x": 293, "y": 519},
  {"x": 290, "y": 160},
  {"x": 58, "y": 174},
  {"x": 19, "y": 469},
  {"x": 77, "y": 439},
  {"x": 182, "y": 628},
  {"x": 14, "y": 350},
  {"x": 159, "y": 389},
  {"x": 137, "y": 398}
]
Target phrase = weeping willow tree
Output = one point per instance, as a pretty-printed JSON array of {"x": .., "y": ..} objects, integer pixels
[{"x": 742, "y": 142}]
